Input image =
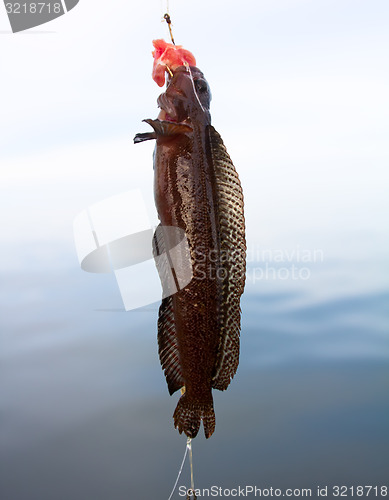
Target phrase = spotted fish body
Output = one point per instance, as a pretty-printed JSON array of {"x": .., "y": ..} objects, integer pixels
[{"x": 197, "y": 189}]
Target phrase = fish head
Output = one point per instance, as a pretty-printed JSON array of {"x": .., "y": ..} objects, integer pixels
[{"x": 187, "y": 97}]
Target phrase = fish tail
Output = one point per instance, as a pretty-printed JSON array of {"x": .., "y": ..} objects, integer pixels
[{"x": 188, "y": 415}]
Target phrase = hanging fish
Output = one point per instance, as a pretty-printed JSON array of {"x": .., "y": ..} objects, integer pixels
[{"x": 197, "y": 189}]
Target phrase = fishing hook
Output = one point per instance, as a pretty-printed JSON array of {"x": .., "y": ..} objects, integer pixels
[{"x": 169, "y": 23}]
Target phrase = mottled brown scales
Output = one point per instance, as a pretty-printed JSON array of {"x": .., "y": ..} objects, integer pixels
[{"x": 197, "y": 189}]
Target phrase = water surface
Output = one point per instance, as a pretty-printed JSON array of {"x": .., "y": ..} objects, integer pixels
[{"x": 85, "y": 410}]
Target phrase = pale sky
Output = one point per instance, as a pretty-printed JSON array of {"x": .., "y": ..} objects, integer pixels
[{"x": 300, "y": 97}]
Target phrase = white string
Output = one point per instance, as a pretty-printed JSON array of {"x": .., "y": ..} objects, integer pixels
[
  {"x": 189, "y": 446},
  {"x": 164, "y": 10},
  {"x": 194, "y": 88},
  {"x": 179, "y": 472}
]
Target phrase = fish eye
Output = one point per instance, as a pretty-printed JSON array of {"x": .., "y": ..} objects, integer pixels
[{"x": 201, "y": 85}]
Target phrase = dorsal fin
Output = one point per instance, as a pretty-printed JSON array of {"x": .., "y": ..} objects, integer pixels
[{"x": 229, "y": 197}]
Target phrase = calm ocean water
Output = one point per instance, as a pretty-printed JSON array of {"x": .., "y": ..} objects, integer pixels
[{"x": 85, "y": 413}]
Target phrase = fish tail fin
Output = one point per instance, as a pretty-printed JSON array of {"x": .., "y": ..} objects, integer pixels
[{"x": 188, "y": 415}]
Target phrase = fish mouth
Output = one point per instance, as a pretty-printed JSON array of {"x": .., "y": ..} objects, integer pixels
[
  {"x": 166, "y": 117},
  {"x": 168, "y": 112}
]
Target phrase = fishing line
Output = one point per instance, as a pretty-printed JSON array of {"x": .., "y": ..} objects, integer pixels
[
  {"x": 179, "y": 472},
  {"x": 194, "y": 88},
  {"x": 189, "y": 446}
]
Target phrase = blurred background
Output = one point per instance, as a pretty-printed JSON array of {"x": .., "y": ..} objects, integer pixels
[{"x": 300, "y": 97}]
